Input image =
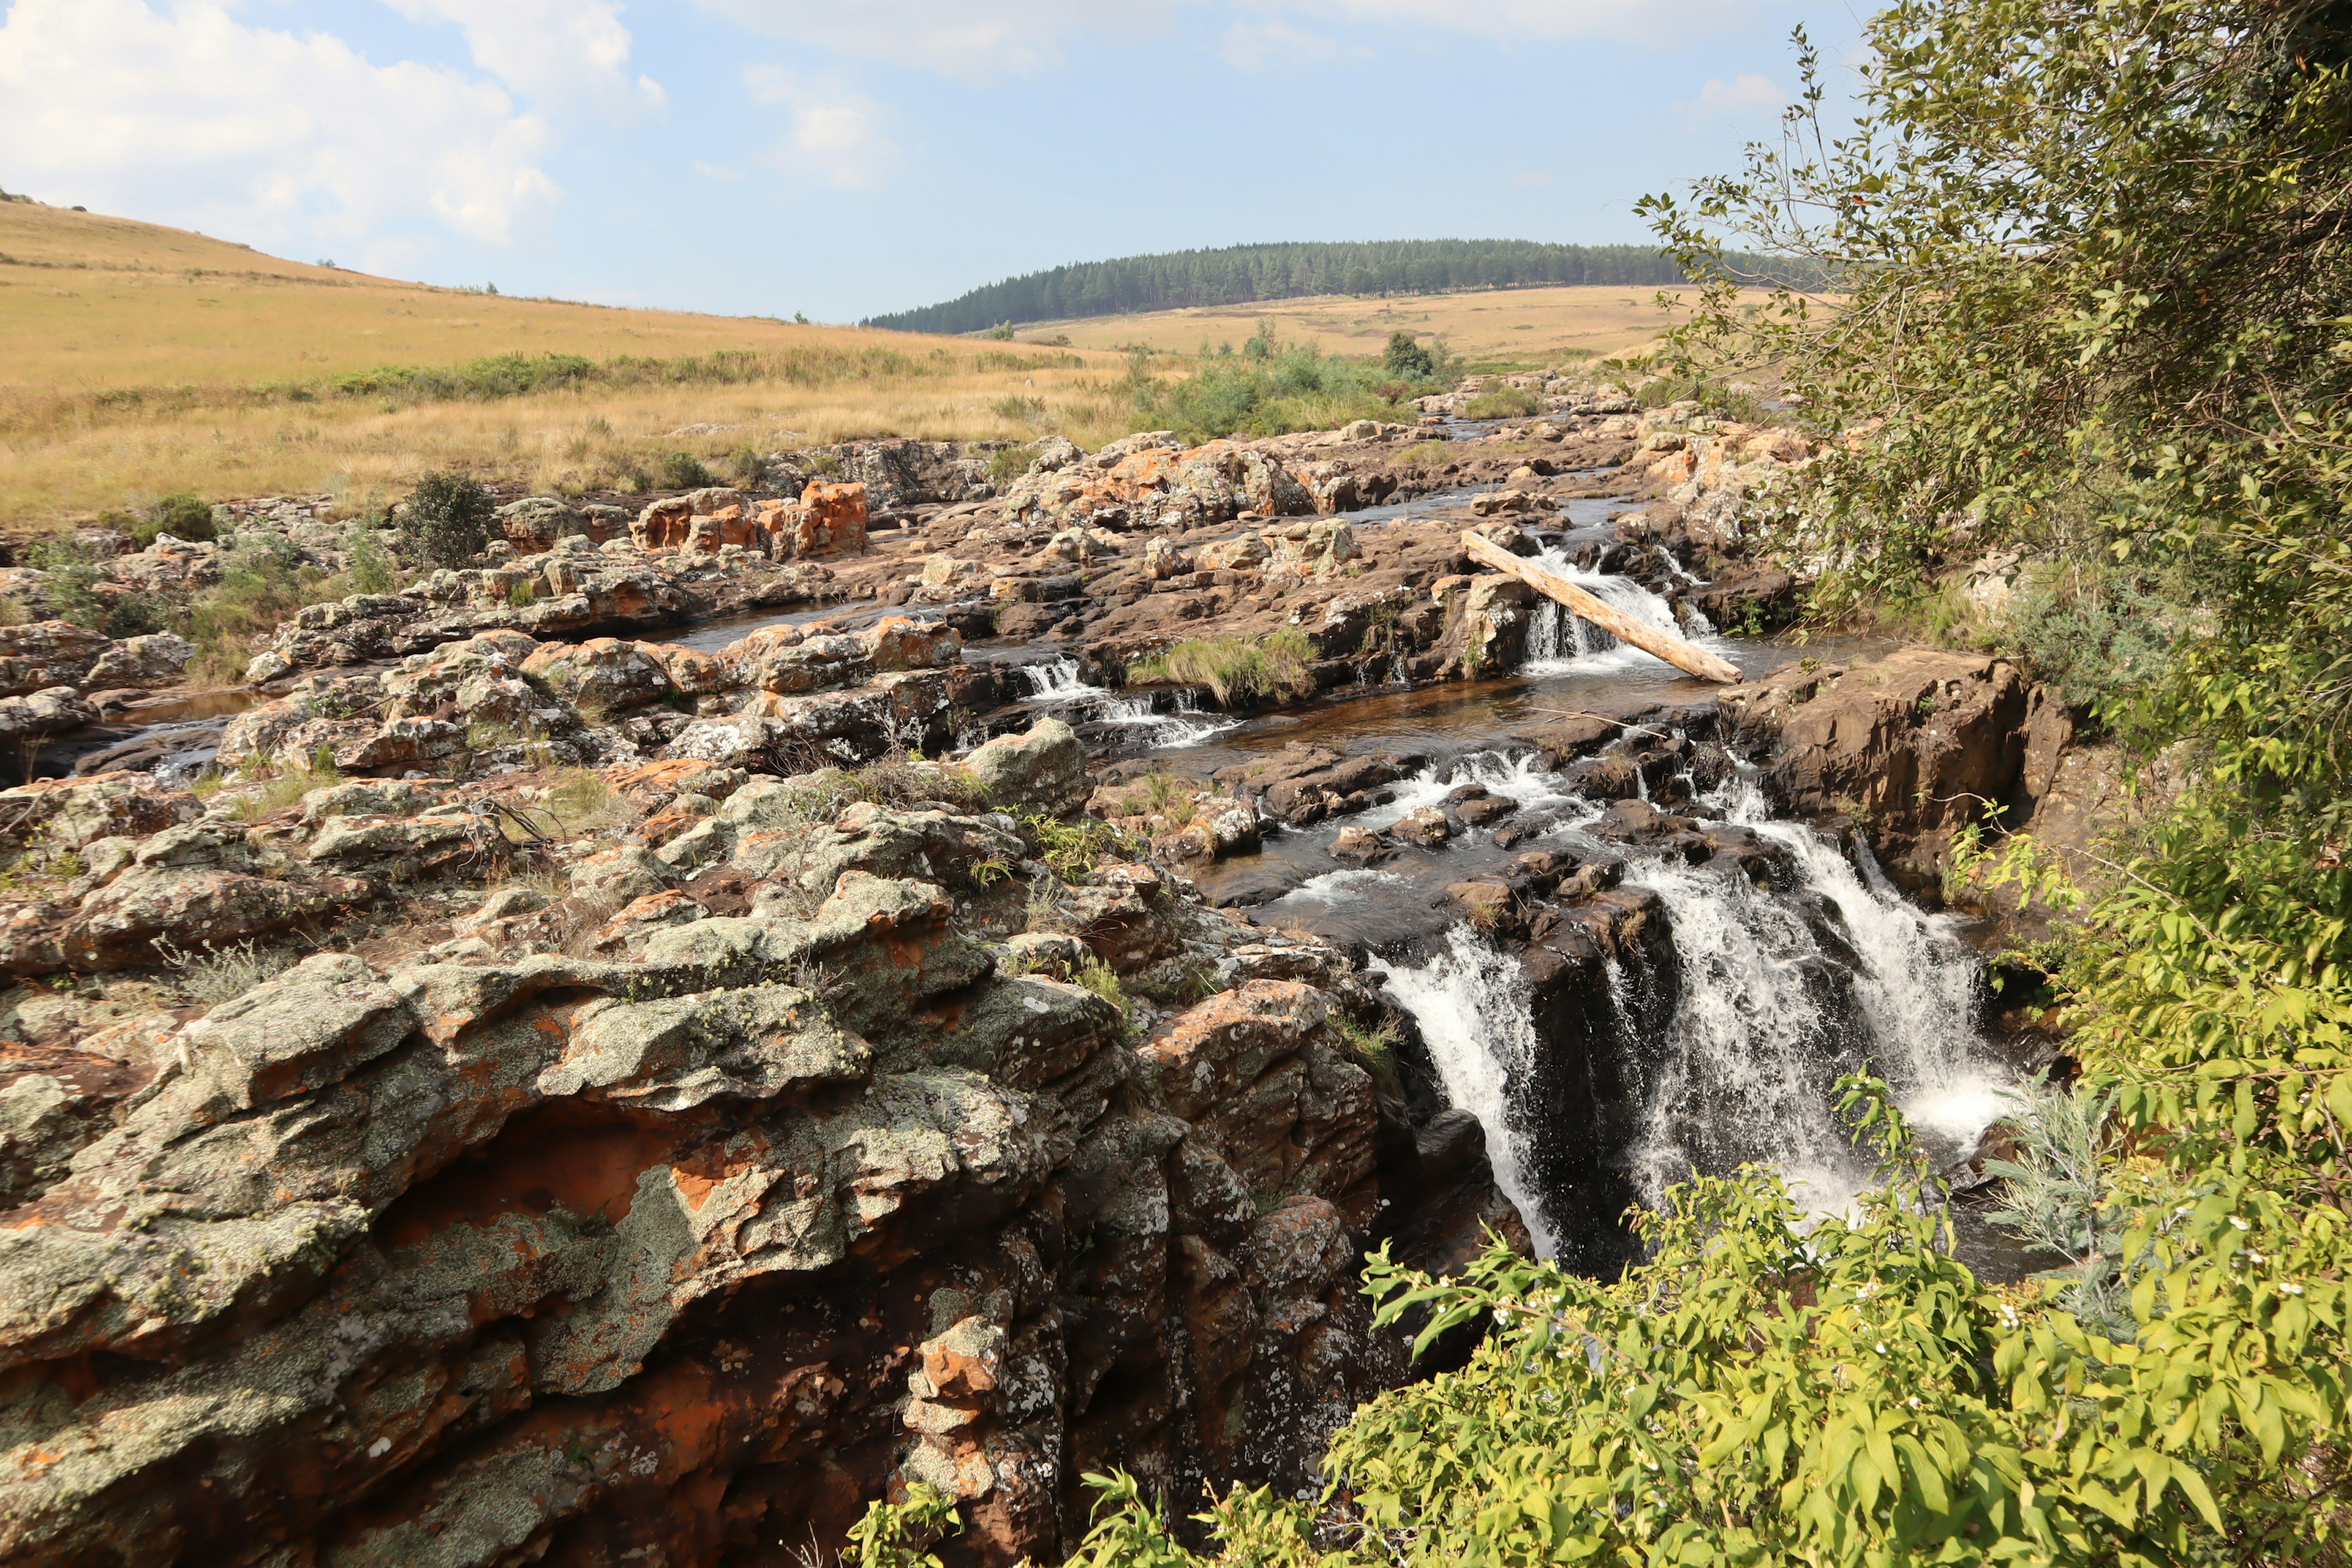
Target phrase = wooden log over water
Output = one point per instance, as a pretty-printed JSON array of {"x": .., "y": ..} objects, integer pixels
[{"x": 1682, "y": 655}]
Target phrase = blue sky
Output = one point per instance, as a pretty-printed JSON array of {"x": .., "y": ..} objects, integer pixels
[{"x": 846, "y": 158}]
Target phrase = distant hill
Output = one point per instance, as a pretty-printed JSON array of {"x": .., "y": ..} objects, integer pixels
[{"x": 1242, "y": 274}]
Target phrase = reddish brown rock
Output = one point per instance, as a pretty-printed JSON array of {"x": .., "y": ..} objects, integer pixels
[{"x": 832, "y": 520}]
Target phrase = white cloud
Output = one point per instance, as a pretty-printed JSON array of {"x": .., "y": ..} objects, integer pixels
[
  {"x": 980, "y": 39},
  {"x": 1534, "y": 179},
  {"x": 836, "y": 134},
  {"x": 1630, "y": 20},
  {"x": 193, "y": 117},
  {"x": 1249, "y": 45},
  {"x": 1737, "y": 99},
  {"x": 975, "y": 40},
  {"x": 552, "y": 52},
  {"x": 713, "y": 172}
]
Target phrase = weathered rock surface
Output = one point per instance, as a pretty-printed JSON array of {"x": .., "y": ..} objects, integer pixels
[
  {"x": 482, "y": 1250},
  {"x": 1912, "y": 747}
]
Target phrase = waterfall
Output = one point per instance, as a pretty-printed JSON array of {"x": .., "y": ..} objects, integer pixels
[
  {"x": 1560, "y": 643},
  {"x": 1777, "y": 1000},
  {"x": 1057, "y": 683},
  {"x": 1472, "y": 1007},
  {"x": 1779, "y": 991}
]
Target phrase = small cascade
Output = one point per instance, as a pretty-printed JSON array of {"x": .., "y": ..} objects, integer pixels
[
  {"x": 1783, "y": 992},
  {"x": 1561, "y": 643},
  {"x": 1472, "y": 1006},
  {"x": 1057, "y": 683}
]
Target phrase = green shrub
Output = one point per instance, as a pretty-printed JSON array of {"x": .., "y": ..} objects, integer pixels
[
  {"x": 1406, "y": 359},
  {"x": 2100, "y": 638},
  {"x": 447, "y": 519},
  {"x": 1237, "y": 670},
  {"x": 1009, "y": 463},
  {"x": 368, "y": 565},
  {"x": 180, "y": 515},
  {"x": 74, "y": 573},
  {"x": 1268, "y": 389},
  {"x": 685, "y": 471},
  {"x": 748, "y": 468}
]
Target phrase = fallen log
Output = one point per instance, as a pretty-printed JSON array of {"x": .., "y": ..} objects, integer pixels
[{"x": 1675, "y": 650}]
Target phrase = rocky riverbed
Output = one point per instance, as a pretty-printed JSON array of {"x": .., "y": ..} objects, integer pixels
[{"x": 556, "y": 1076}]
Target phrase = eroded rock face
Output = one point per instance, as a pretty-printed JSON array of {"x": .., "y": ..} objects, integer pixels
[
  {"x": 1912, "y": 747},
  {"x": 493, "y": 1253}
]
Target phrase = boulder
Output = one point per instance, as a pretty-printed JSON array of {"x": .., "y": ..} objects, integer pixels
[
  {"x": 47, "y": 653},
  {"x": 1042, "y": 771},
  {"x": 833, "y": 521},
  {"x": 155, "y": 659}
]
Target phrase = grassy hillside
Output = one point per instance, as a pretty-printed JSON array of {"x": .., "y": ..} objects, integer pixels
[
  {"x": 1537, "y": 325},
  {"x": 143, "y": 360}
]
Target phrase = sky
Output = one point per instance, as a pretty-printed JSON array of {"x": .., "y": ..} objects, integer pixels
[{"x": 841, "y": 158}]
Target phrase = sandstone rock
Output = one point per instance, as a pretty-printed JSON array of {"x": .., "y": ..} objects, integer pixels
[
  {"x": 833, "y": 521},
  {"x": 1042, "y": 771},
  {"x": 1426, "y": 826},
  {"x": 602, "y": 675},
  {"x": 71, "y": 812},
  {"x": 25, "y": 718},
  {"x": 1916, "y": 745},
  {"x": 1243, "y": 552},
  {"x": 47, "y": 654},
  {"x": 155, "y": 659}
]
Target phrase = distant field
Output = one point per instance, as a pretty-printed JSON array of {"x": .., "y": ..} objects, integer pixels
[
  {"x": 1537, "y": 325},
  {"x": 142, "y": 359}
]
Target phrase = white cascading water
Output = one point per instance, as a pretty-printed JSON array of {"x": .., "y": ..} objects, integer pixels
[
  {"x": 1472, "y": 1007},
  {"x": 1560, "y": 643},
  {"x": 1522, "y": 779},
  {"x": 1768, "y": 1010},
  {"x": 1753, "y": 1044},
  {"x": 1058, "y": 684}
]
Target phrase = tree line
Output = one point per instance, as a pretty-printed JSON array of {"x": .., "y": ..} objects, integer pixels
[{"x": 1247, "y": 274}]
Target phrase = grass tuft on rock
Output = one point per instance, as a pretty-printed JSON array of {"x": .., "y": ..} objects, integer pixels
[{"x": 1237, "y": 670}]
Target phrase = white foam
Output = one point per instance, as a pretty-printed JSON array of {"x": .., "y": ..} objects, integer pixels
[{"x": 1472, "y": 1006}]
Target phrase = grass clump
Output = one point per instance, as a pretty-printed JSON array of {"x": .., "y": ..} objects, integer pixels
[
  {"x": 1072, "y": 849},
  {"x": 218, "y": 974},
  {"x": 685, "y": 471},
  {"x": 447, "y": 519},
  {"x": 1009, "y": 463},
  {"x": 1238, "y": 671},
  {"x": 1503, "y": 402},
  {"x": 284, "y": 784},
  {"x": 1100, "y": 978}
]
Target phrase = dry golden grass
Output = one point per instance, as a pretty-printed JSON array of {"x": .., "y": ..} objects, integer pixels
[
  {"x": 94, "y": 307},
  {"x": 1535, "y": 325}
]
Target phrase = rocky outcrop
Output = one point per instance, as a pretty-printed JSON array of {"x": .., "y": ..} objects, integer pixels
[
  {"x": 477, "y": 1251},
  {"x": 1910, "y": 748}
]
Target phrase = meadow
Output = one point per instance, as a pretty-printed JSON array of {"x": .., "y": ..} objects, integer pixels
[
  {"x": 1514, "y": 326},
  {"x": 145, "y": 361}
]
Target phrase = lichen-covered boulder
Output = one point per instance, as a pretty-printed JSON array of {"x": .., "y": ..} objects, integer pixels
[
  {"x": 1042, "y": 771},
  {"x": 46, "y": 653}
]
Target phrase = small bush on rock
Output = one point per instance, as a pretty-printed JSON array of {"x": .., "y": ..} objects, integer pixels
[
  {"x": 685, "y": 471},
  {"x": 447, "y": 521},
  {"x": 180, "y": 515}
]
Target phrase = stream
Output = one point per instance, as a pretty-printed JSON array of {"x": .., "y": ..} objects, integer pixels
[
  {"x": 1712, "y": 1049},
  {"x": 1600, "y": 1074}
]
